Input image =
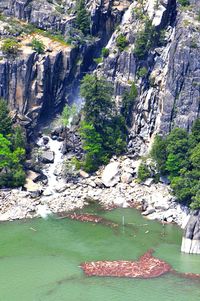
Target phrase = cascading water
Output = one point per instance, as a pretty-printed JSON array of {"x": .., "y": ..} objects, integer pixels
[{"x": 52, "y": 170}]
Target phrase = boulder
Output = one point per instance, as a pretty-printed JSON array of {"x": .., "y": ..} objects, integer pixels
[
  {"x": 83, "y": 174},
  {"x": 126, "y": 178},
  {"x": 45, "y": 140},
  {"x": 148, "y": 182},
  {"x": 47, "y": 157},
  {"x": 33, "y": 176},
  {"x": 111, "y": 175},
  {"x": 191, "y": 238}
]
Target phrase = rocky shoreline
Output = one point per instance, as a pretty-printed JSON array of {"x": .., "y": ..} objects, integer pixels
[{"x": 112, "y": 187}]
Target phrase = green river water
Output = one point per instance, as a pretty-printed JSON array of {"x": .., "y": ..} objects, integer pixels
[{"x": 43, "y": 265}]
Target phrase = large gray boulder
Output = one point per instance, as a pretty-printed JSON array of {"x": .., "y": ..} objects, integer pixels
[
  {"x": 47, "y": 157},
  {"x": 110, "y": 175},
  {"x": 191, "y": 238}
]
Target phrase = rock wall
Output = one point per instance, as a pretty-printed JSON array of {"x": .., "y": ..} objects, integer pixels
[
  {"x": 37, "y": 84},
  {"x": 191, "y": 239},
  {"x": 169, "y": 93},
  {"x": 105, "y": 14},
  {"x": 34, "y": 84}
]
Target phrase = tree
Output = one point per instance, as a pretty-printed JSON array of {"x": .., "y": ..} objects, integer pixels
[
  {"x": 38, "y": 46},
  {"x": 97, "y": 93},
  {"x": 121, "y": 42},
  {"x": 195, "y": 132},
  {"x": 11, "y": 171},
  {"x": 128, "y": 101},
  {"x": 10, "y": 47},
  {"x": 18, "y": 138},
  {"x": 92, "y": 144},
  {"x": 143, "y": 172},
  {"x": 5, "y": 120},
  {"x": 12, "y": 152},
  {"x": 82, "y": 17},
  {"x": 68, "y": 114},
  {"x": 159, "y": 153},
  {"x": 179, "y": 155},
  {"x": 107, "y": 128}
]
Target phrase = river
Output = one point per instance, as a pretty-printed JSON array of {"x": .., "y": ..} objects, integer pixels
[{"x": 40, "y": 260}]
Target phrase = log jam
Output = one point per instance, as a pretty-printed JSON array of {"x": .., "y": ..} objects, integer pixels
[{"x": 147, "y": 266}]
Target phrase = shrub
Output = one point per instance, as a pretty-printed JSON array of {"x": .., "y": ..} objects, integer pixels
[
  {"x": 184, "y": 2},
  {"x": 38, "y": 46},
  {"x": 142, "y": 72},
  {"x": 128, "y": 101},
  {"x": 145, "y": 40},
  {"x": 143, "y": 172},
  {"x": 105, "y": 52},
  {"x": 121, "y": 42},
  {"x": 10, "y": 47}
]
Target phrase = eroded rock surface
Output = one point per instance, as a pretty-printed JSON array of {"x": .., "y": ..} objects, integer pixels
[{"x": 191, "y": 238}]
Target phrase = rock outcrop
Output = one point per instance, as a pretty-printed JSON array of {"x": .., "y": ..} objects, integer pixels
[
  {"x": 36, "y": 83},
  {"x": 191, "y": 239},
  {"x": 168, "y": 90}
]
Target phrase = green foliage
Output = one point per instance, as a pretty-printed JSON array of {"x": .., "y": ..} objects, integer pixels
[
  {"x": 5, "y": 120},
  {"x": 11, "y": 171},
  {"x": 10, "y": 47},
  {"x": 82, "y": 17},
  {"x": 103, "y": 130},
  {"x": 145, "y": 40},
  {"x": 18, "y": 138},
  {"x": 12, "y": 150},
  {"x": 68, "y": 114},
  {"x": 128, "y": 101},
  {"x": 121, "y": 42},
  {"x": 184, "y": 2},
  {"x": 92, "y": 144},
  {"x": 143, "y": 172},
  {"x": 142, "y": 72},
  {"x": 178, "y": 155},
  {"x": 98, "y": 104},
  {"x": 105, "y": 52},
  {"x": 159, "y": 153},
  {"x": 38, "y": 46}
]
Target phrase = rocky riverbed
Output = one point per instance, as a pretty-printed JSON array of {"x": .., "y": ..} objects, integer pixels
[{"x": 112, "y": 186}]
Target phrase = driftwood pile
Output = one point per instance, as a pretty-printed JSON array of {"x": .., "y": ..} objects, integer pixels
[
  {"x": 92, "y": 218},
  {"x": 146, "y": 267}
]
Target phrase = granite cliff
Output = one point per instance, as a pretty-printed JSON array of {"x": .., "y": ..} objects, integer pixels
[{"x": 168, "y": 89}]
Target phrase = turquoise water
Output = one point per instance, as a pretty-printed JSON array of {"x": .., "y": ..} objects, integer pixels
[{"x": 39, "y": 260}]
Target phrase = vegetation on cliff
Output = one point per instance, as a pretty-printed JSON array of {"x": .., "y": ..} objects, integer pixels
[
  {"x": 103, "y": 130},
  {"x": 178, "y": 157},
  {"x": 12, "y": 151}
]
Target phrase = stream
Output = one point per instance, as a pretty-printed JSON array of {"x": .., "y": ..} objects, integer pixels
[{"x": 40, "y": 259}]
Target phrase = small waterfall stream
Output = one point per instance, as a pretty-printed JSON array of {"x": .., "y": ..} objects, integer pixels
[{"x": 52, "y": 170}]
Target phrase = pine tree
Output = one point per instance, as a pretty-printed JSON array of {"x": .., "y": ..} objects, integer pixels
[
  {"x": 5, "y": 120},
  {"x": 82, "y": 17}
]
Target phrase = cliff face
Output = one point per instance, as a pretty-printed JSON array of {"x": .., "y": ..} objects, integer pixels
[
  {"x": 35, "y": 84},
  {"x": 169, "y": 92},
  {"x": 51, "y": 15}
]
